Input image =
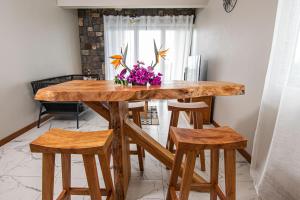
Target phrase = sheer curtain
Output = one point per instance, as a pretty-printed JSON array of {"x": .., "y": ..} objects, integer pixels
[
  {"x": 172, "y": 32},
  {"x": 275, "y": 165}
]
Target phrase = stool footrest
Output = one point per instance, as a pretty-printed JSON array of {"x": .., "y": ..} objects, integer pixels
[
  {"x": 85, "y": 191},
  {"x": 132, "y": 152},
  {"x": 203, "y": 187}
]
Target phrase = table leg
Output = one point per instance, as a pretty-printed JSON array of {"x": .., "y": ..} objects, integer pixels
[
  {"x": 143, "y": 139},
  {"x": 120, "y": 148}
]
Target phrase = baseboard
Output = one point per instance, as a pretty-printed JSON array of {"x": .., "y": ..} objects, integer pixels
[
  {"x": 243, "y": 152},
  {"x": 23, "y": 130}
]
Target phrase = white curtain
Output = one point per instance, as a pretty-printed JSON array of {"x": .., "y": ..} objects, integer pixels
[
  {"x": 170, "y": 32},
  {"x": 275, "y": 165}
]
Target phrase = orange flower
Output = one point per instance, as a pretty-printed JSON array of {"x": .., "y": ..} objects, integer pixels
[
  {"x": 117, "y": 60},
  {"x": 162, "y": 54}
]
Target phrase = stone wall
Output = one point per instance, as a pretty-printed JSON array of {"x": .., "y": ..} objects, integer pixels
[{"x": 92, "y": 37}]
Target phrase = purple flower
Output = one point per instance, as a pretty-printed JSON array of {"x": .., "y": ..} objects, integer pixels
[
  {"x": 156, "y": 80},
  {"x": 121, "y": 75},
  {"x": 140, "y": 75}
]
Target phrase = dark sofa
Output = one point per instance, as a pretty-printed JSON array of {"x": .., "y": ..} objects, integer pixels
[{"x": 72, "y": 108}]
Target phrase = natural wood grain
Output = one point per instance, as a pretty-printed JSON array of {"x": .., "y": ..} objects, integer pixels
[
  {"x": 62, "y": 195},
  {"x": 100, "y": 108},
  {"x": 214, "y": 173},
  {"x": 89, "y": 144},
  {"x": 195, "y": 109},
  {"x": 220, "y": 193},
  {"x": 243, "y": 152},
  {"x": 72, "y": 142},
  {"x": 120, "y": 148},
  {"x": 92, "y": 176},
  {"x": 187, "y": 176},
  {"x": 216, "y": 138},
  {"x": 93, "y": 91},
  {"x": 85, "y": 191},
  {"x": 79, "y": 90},
  {"x": 137, "y": 120},
  {"x": 154, "y": 148},
  {"x": 230, "y": 174},
  {"x": 66, "y": 174},
  {"x": 206, "y": 113},
  {"x": 198, "y": 124},
  {"x": 190, "y": 141},
  {"x": 48, "y": 176},
  {"x": 175, "y": 174},
  {"x": 105, "y": 167},
  {"x": 173, "y": 122},
  {"x": 181, "y": 106}
]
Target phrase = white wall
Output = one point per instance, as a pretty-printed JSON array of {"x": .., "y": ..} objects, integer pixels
[
  {"x": 237, "y": 46},
  {"x": 37, "y": 40}
]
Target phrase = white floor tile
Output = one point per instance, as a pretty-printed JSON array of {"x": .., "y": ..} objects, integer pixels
[{"x": 20, "y": 170}]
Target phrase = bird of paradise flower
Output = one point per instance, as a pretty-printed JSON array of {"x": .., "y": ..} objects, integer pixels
[{"x": 120, "y": 59}]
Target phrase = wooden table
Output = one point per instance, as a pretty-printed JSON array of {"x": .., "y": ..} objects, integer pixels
[{"x": 94, "y": 93}]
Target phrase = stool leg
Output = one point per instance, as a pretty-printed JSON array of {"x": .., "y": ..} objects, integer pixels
[
  {"x": 168, "y": 139},
  {"x": 175, "y": 172},
  {"x": 174, "y": 122},
  {"x": 214, "y": 172},
  {"x": 140, "y": 125},
  {"x": 48, "y": 176},
  {"x": 230, "y": 173},
  {"x": 187, "y": 176},
  {"x": 198, "y": 124},
  {"x": 92, "y": 176},
  {"x": 66, "y": 174},
  {"x": 202, "y": 160},
  {"x": 137, "y": 120},
  {"x": 198, "y": 120},
  {"x": 105, "y": 167}
]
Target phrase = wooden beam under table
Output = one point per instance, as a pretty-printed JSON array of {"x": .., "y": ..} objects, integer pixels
[
  {"x": 157, "y": 150},
  {"x": 114, "y": 113},
  {"x": 100, "y": 108},
  {"x": 140, "y": 137}
]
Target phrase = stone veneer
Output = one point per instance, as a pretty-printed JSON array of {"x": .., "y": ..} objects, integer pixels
[{"x": 91, "y": 32}]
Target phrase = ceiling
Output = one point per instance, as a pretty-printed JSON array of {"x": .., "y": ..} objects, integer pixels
[{"x": 75, "y": 4}]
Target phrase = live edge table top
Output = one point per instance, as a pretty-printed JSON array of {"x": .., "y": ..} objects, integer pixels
[{"x": 91, "y": 90}]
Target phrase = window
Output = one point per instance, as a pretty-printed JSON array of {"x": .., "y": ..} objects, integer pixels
[{"x": 169, "y": 32}]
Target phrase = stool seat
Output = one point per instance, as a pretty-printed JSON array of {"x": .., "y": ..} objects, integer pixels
[
  {"x": 139, "y": 105},
  {"x": 181, "y": 106},
  {"x": 72, "y": 142},
  {"x": 215, "y": 138},
  {"x": 191, "y": 141},
  {"x": 66, "y": 143},
  {"x": 195, "y": 110}
]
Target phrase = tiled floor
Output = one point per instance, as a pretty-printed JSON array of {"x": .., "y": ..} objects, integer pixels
[{"x": 20, "y": 171}]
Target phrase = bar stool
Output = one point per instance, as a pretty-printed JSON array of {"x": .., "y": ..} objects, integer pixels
[
  {"x": 88, "y": 144},
  {"x": 189, "y": 142},
  {"x": 136, "y": 108},
  {"x": 196, "y": 109}
]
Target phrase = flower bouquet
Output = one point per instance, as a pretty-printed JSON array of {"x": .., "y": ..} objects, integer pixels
[{"x": 140, "y": 74}]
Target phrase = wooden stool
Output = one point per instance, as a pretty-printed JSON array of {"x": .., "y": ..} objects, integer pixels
[
  {"x": 66, "y": 143},
  {"x": 196, "y": 109},
  {"x": 136, "y": 108},
  {"x": 189, "y": 142}
]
